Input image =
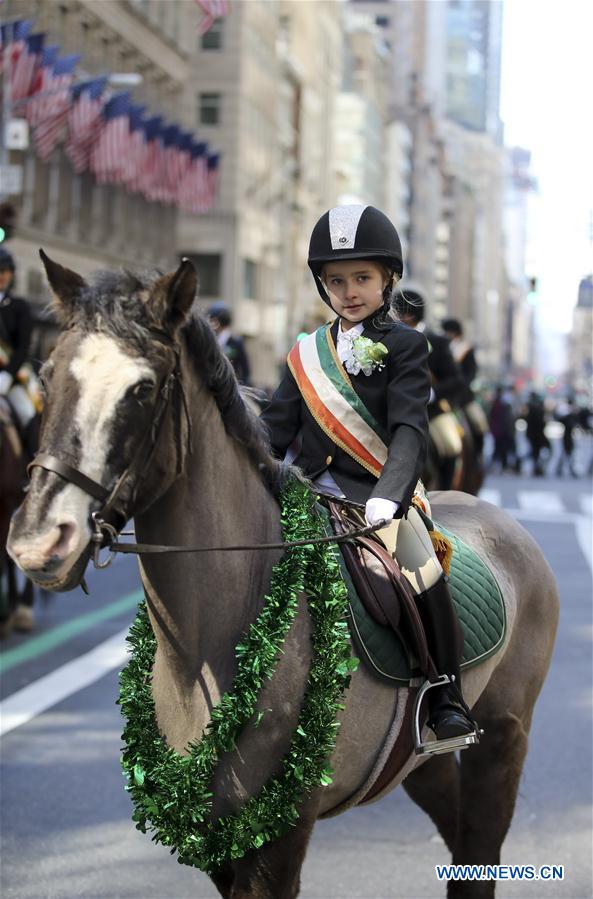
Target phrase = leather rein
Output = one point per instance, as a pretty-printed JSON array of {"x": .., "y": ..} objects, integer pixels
[{"x": 107, "y": 521}]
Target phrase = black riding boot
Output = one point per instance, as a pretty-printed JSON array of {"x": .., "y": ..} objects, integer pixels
[{"x": 448, "y": 714}]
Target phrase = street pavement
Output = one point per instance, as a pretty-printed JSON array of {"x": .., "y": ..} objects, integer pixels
[{"x": 66, "y": 819}]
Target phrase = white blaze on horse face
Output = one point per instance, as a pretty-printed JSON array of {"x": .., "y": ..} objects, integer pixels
[{"x": 104, "y": 373}]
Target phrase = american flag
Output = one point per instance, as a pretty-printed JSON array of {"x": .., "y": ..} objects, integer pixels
[
  {"x": 154, "y": 171},
  {"x": 110, "y": 149},
  {"x": 22, "y": 75},
  {"x": 12, "y": 39},
  {"x": 136, "y": 146},
  {"x": 143, "y": 174},
  {"x": 212, "y": 179},
  {"x": 183, "y": 161},
  {"x": 191, "y": 195},
  {"x": 37, "y": 108},
  {"x": 172, "y": 163},
  {"x": 84, "y": 121},
  {"x": 211, "y": 10},
  {"x": 51, "y": 128}
]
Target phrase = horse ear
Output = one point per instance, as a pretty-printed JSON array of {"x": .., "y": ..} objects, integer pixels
[
  {"x": 173, "y": 294},
  {"x": 65, "y": 284}
]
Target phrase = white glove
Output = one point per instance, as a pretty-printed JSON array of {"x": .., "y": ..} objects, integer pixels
[
  {"x": 6, "y": 380},
  {"x": 378, "y": 509}
]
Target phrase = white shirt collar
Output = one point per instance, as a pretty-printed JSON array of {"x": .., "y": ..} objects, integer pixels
[
  {"x": 351, "y": 333},
  {"x": 345, "y": 338}
]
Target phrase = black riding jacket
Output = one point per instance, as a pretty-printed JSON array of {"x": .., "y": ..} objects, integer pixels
[
  {"x": 396, "y": 396},
  {"x": 15, "y": 331}
]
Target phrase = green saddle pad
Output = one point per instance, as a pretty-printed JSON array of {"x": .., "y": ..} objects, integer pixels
[{"x": 478, "y": 602}]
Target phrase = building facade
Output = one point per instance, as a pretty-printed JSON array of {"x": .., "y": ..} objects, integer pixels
[
  {"x": 272, "y": 79},
  {"x": 83, "y": 224},
  {"x": 445, "y": 85},
  {"x": 581, "y": 339}
]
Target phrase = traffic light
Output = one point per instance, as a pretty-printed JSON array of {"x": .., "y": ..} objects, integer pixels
[
  {"x": 532, "y": 293},
  {"x": 7, "y": 221}
]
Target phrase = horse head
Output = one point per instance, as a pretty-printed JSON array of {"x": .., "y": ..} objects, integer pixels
[{"x": 112, "y": 372}]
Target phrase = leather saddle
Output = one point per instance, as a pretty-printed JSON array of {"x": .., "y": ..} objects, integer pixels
[{"x": 380, "y": 584}]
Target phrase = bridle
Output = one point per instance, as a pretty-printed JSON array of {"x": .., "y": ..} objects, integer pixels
[{"x": 108, "y": 521}]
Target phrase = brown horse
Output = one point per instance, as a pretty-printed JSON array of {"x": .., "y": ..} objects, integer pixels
[
  {"x": 211, "y": 481},
  {"x": 15, "y": 605}
]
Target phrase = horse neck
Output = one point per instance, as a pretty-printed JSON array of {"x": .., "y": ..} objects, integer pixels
[{"x": 201, "y": 604}]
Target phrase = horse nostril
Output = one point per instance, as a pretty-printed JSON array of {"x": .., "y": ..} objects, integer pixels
[{"x": 62, "y": 547}]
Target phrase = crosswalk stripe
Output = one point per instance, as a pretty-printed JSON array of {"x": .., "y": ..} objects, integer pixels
[
  {"x": 586, "y": 503},
  {"x": 491, "y": 495},
  {"x": 540, "y": 500}
]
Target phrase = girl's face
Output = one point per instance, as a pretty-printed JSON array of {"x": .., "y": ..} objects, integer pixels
[{"x": 355, "y": 289}]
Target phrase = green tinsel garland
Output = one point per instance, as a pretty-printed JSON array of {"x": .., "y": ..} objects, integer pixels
[{"x": 170, "y": 791}]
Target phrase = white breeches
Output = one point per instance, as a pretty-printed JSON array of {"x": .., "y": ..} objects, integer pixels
[{"x": 407, "y": 539}]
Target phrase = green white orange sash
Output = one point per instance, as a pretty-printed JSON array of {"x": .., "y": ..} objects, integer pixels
[{"x": 333, "y": 402}]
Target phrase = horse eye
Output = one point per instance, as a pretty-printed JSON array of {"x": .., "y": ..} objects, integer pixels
[{"x": 142, "y": 390}]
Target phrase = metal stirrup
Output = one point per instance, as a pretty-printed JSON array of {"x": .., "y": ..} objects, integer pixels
[{"x": 435, "y": 747}]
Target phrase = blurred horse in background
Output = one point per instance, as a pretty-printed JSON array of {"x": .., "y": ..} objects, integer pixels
[{"x": 15, "y": 604}]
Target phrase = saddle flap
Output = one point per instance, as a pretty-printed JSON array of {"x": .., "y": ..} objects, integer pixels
[{"x": 380, "y": 585}]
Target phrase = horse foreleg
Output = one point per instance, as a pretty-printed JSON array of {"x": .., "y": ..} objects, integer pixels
[
  {"x": 434, "y": 787},
  {"x": 274, "y": 871},
  {"x": 490, "y": 775}
]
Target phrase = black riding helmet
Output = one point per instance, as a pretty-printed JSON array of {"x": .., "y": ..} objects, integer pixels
[
  {"x": 354, "y": 232},
  {"x": 6, "y": 260}
]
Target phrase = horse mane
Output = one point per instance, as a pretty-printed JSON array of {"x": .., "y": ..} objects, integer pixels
[
  {"x": 240, "y": 421},
  {"x": 115, "y": 302}
]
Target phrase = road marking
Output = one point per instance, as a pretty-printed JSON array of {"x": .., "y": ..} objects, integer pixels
[
  {"x": 491, "y": 495},
  {"x": 582, "y": 526},
  {"x": 46, "y": 692},
  {"x": 540, "y": 500},
  {"x": 587, "y": 504},
  {"x": 37, "y": 646}
]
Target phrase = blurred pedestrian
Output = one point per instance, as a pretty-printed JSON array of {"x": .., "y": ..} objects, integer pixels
[
  {"x": 567, "y": 414},
  {"x": 535, "y": 418},
  {"x": 502, "y": 427},
  {"x": 585, "y": 423},
  {"x": 18, "y": 383},
  {"x": 220, "y": 318}
]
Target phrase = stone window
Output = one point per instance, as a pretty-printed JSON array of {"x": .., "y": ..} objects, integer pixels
[
  {"x": 209, "y": 109},
  {"x": 249, "y": 279},
  {"x": 213, "y": 39}
]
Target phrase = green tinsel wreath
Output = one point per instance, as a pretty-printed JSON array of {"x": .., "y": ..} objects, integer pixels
[{"x": 171, "y": 792}]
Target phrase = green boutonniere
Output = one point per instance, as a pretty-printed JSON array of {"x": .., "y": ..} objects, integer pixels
[{"x": 366, "y": 356}]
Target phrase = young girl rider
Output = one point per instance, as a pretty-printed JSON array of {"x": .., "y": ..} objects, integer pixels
[{"x": 354, "y": 399}]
